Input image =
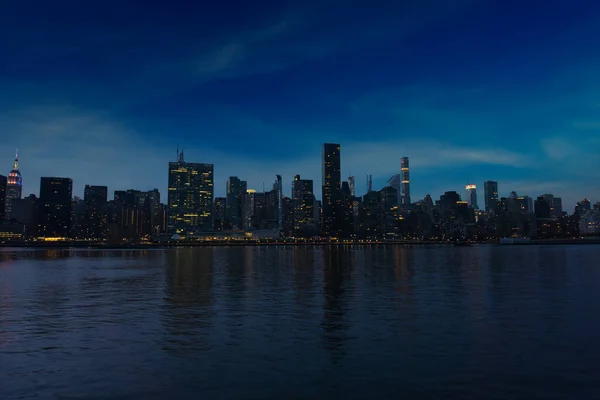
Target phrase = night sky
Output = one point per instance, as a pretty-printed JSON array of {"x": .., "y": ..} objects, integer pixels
[{"x": 105, "y": 91}]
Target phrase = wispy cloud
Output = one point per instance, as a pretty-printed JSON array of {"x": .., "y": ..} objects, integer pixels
[{"x": 93, "y": 149}]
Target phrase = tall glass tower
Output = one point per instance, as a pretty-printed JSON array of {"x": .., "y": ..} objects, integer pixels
[
  {"x": 190, "y": 199},
  {"x": 405, "y": 174},
  {"x": 490, "y": 192}
]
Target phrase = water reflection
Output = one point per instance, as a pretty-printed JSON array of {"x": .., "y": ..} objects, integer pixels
[
  {"x": 301, "y": 322},
  {"x": 338, "y": 264},
  {"x": 188, "y": 300}
]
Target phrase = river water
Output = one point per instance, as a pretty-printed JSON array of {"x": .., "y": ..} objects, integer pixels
[{"x": 483, "y": 322}]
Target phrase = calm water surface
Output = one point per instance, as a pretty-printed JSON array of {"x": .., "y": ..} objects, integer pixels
[{"x": 484, "y": 322}]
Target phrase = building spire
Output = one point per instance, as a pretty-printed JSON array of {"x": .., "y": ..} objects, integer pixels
[{"x": 16, "y": 165}]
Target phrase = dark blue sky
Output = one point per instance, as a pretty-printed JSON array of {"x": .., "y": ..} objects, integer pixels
[{"x": 470, "y": 90}]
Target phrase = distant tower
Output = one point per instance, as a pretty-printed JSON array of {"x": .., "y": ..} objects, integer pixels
[
  {"x": 472, "y": 196},
  {"x": 490, "y": 193},
  {"x": 404, "y": 169},
  {"x": 14, "y": 185},
  {"x": 394, "y": 182},
  {"x": 280, "y": 204},
  {"x": 352, "y": 186},
  {"x": 331, "y": 190}
]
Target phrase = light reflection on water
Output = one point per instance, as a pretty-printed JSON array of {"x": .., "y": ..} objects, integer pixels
[{"x": 301, "y": 322}]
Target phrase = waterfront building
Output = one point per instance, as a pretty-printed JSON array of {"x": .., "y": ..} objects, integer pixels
[
  {"x": 95, "y": 199},
  {"x": 405, "y": 174},
  {"x": 14, "y": 186},
  {"x": 490, "y": 192},
  {"x": 190, "y": 197},
  {"x": 303, "y": 205},
  {"x": 55, "y": 205},
  {"x": 331, "y": 190},
  {"x": 236, "y": 190},
  {"x": 3, "y": 183}
]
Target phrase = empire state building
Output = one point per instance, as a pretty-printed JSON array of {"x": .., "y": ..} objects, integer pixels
[{"x": 14, "y": 186}]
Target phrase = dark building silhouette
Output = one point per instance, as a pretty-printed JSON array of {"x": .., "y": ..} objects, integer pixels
[
  {"x": 347, "y": 211},
  {"x": 368, "y": 216},
  {"x": 191, "y": 190},
  {"x": 389, "y": 213},
  {"x": 95, "y": 199},
  {"x": 14, "y": 187},
  {"x": 288, "y": 216},
  {"x": 331, "y": 190},
  {"x": 395, "y": 182},
  {"x": 280, "y": 211},
  {"x": 135, "y": 215},
  {"x": 219, "y": 213},
  {"x": 542, "y": 208},
  {"x": 25, "y": 211},
  {"x": 55, "y": 207},
  {"x": 405, "y": 174},
  {"x": 303, "y": 204},
  {"x": 151, "y": 213},
  {"x": 3, "y": 204},
  {"x": 236, "y": 190},
  {"x": 555, "y": 205},
  {"x": 490, "y": 192}
]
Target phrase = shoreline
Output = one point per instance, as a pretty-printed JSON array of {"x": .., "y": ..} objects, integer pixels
[{"x": 169, "y": 245}]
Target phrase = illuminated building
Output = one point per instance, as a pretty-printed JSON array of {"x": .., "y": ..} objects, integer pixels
[
  {"x": 248, "y": 211},
  {"x": 555, "y": 205},
  {"x": 95, "y": 199},
  {"x": 3, "y": 182},
  {"x": 472, "y": 196},
  {"x": 405, "y": 175},
  {"x": 331, "y": 190},
  {"x": 236, "y": 189},
  {"x": 490, "y": 192},
  {"x": 55, "y": 205},
  {"x": 190, "y": 200},
  {"x": 303, "y": 204},
  {"x": 14, "y": 186}
]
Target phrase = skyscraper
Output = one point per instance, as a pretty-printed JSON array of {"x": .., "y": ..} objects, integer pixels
[
  {"x": 151, "y": 212},
  {"x": 490, "y": 192},
  {"x": 331, "y": 194},
  {"x": 394, "y": 182},
  {"x": 472, "y": 196},
  {"x": 3, "y": 182},
  {"x": 219, "y": 214},
  {"x": 405, "y": 174},
  {"x": 191, "y": 190},
  {"x": 303, "y": 204},
  {"x": 555, "y": 204},
  {"x": 55, "y": 207},
  {"x": 95, "y": 198},
  {"x": 236, "y": 189},
  {"x": 14, "y": 186},
  {"x": 280, "y": 213}
]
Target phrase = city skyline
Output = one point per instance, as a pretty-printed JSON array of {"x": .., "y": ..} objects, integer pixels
[
  {"x": 480, "y": 196},
  {"x": 470, "y": 92}
]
